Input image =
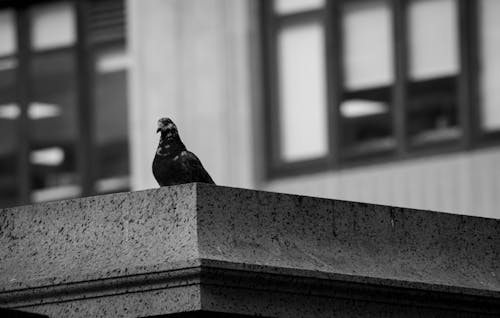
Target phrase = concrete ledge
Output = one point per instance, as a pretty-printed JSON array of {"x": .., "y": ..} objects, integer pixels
[{"x": 204, "y": 248}]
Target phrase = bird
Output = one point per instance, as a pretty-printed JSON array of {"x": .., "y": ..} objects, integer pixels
[{"x": 173, "y": 163}]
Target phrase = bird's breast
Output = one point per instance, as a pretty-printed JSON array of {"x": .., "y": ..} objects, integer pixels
[{"x": 169, "y": 170}]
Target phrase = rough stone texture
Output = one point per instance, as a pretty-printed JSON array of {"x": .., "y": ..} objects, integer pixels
[
  {"x": 202, "y": 247},
  {"x": 357, "y": 241},
  {"x": 97, "y": 237}
]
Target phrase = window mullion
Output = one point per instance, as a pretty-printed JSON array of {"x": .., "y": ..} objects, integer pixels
[
  {"x": 468, "y": 116},
  {"x": 23, "y": 100},
  {"x": 84, "y": 100},
  {"x": 271, "y": 125},
  {"x": 401, "y": 70},
  {"x": 334, "y": 78}
]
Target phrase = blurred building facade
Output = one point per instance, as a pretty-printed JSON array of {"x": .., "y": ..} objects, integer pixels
[
  {"x": 384, "y": 101},
  {"x": 63, "y": 100}
]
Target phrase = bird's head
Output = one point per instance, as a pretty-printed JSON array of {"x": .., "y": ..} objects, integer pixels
[{"x": 167, "y": 127}]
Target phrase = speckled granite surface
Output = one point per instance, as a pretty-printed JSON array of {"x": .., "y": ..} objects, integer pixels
[
  {"x": 96, "y": 237},
  {"x": 205, "y": 247},
  {"x": 355, "y": 239}
]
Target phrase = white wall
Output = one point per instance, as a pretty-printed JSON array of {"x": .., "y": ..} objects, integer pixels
[
  {"x": 465, "y": 183},
  {"x": 190, "y": 62},
  {"x": 194, "y": 60}
]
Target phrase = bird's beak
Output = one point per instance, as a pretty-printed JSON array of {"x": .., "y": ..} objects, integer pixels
[{"x": 158, "y": 130}]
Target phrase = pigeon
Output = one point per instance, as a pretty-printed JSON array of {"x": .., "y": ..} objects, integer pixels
[{"x": 173, "y": 163}]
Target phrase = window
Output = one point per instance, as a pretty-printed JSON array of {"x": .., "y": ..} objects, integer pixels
[
  {"x": 9, "y": 112},
  {"x": 52, "y": 108},
  {"x": 63, "y": 107},
  {"x": 368, "y": 75},
  {"x": 300, "y": 121},
  {"x": 302, "y": 81},
  {"x": 433, "y": 71},
  {"x": 111, "y": 129},
  {"x": 362, "y": 81},
  {"x": 109, "y": 67}
]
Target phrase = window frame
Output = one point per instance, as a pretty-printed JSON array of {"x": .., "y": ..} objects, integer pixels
[
  {"x": 272, "y": 126},
  {"x": 348, "y": 154},
  {"x": 467, "y": 91}
]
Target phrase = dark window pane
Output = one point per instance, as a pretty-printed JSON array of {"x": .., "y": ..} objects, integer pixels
[
  {"x": 432, "y": 110},
  {"x": 111, "y": 120},
  {"x": 106, "y": 21},
  {"x": 434, "y": 66},
  {"x": 368, "y": 76},
  {"x": 367, "y": 121},
  {"x": 53, "y": 126},
  {"x": 9, "y": 114}
]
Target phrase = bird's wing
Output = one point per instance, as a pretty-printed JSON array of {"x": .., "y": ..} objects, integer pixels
[{"x": 194, "y": 165}]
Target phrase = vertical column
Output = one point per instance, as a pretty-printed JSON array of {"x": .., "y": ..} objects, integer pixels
[{"x": 190, "y": 62}]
